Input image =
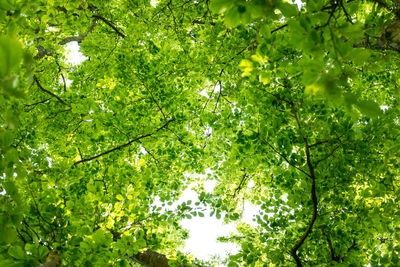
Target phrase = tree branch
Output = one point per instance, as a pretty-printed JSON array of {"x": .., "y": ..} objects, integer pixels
[
  {"x": 314, "y": 199},
  {"x": 123, "y": 145},
  {"x": 151, "y": 94},
  {"x": 48, "y": 92},
  {"x": 331, "y": 250},
  {"x": 279, "y": 28},
  {"x": 79, "y": 38},
  {"x": 327, "y": 156},
  {"x": 53, "y": 260},
  {"x": 318, "y": 143},
  {"x": 285, "y": 158},
  {"x": 240, "y": 186},
  {"x": 109, "y": 23},
  {"x": 36, "y": 103},
  {"x": 150, "y": 258},
  {"x": 42, "y": 52}
]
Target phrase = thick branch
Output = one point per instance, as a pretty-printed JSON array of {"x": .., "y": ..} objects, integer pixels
[
  {"x": 53, "y": 260},
  {"x": 377, "y": 46},
  {"x": 48, "y": 92},
  {"x": 150, "y": 258},
  {"x": 42, "y": 52},
  {"x": 123, "y": 145},
  {"x": 79, "y": 38}
]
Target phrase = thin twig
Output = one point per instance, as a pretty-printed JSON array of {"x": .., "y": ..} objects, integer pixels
[{"x": 123, "y": 145}]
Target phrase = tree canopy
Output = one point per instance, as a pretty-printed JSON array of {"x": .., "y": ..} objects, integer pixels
[{"x": 290, "y": 106}]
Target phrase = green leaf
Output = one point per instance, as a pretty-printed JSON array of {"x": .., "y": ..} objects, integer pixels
[
  {"x": 220, "y": 6},
  {"x": 10, "y": 54},
  {"x": 232, "y": 18},
  {"x": 288, "y": 10},
  {"x": 7, "y": 235},
  {"x": 17, "y": 252}
]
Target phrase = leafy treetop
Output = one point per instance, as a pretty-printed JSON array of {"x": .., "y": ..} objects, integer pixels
[{"x": 291, "y": 106}]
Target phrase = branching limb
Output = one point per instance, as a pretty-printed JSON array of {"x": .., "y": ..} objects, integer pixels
[
  {"x": 331, "y": 250},
  {"x": 240, "y": 186},
  {"x": 62, "y": 76},
  {"x": 79, "y": 38},
  {"x": 219, "y": 96},
  {"x": 285, "y": 158},
  {"x": 149, "y": 152},
  {"x": 327, "y": 156},
  {"x": 33, "y": 105},
  {"x": 42, "y": 52},
  {"x": 48, "y": 92},
  {"x": 314, "y": 199}
]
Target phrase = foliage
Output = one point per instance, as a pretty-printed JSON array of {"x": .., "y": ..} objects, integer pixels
[{"x": 293, "y": 107}]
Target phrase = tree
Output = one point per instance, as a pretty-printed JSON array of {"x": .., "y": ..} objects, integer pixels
[{"x": 291, "y": 106}]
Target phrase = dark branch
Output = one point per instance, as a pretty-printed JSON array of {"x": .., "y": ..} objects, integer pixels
[
  {"x": 48, "y": 92},
  {"x": 151, "y": 95},
  {"x": 279, "y": 28},
  {"x": 318, "y": 143},
  {"x": 42, "y": 52},
  {"x": 285, "y": 158},
  {"x": 203, "y": 22},
  {"x": 109, "y": 23},
  {"x": 123, "y": 145},
  {"x": 327, "y": 156},
  {"x": 331, "y": 250},
  {"x": 240, "y": 186},
  {"x": 79, "y": 38},
  {"x": 314, "y": 199},
  {"x": 37, "y": 103}
]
